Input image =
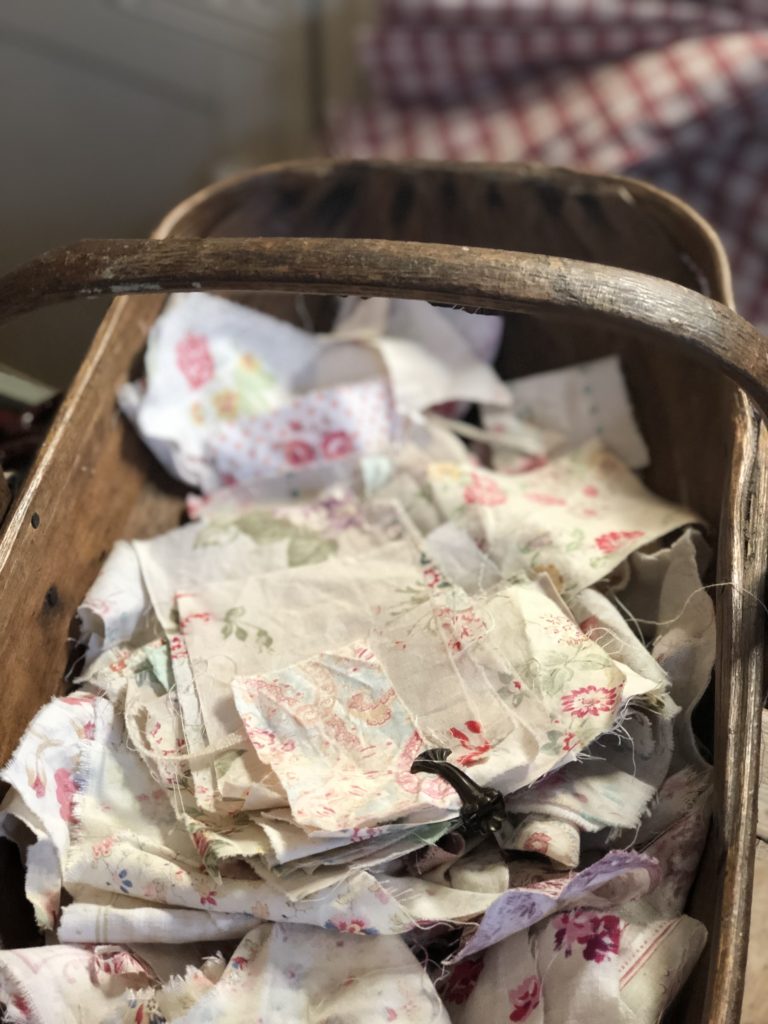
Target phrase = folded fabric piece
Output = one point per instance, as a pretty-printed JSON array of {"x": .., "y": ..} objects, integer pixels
[
  {"x": 554, "y": 838},
  {"x": 590, "y": 794},
  {"x": 55, "y": 983},
  {"x": 674, "y": 609},
  {"x": 341, "y": 730},
  {"x": 340, "y": 742},
  {"x": 577, "y": 965},
  {"x": 208, "y": 360},
  {"x": 44, "y": 774},
  {"x": 431, "y": 356},
  {"x": 66, "y": 984},
  {"x": 513, "y": 685},
  {"x": 120, "y": 919},
  {"x": 576, "y": 518},
  {"x": 127, "y": 840},
  {"x": 257, "y": 540},
  {"x": 308, "y": 976},
  {"x": 258, "y": 625},
  {"x": 617, "y": 878},
  {"x": 568, "y": 406},
  {"x": 116, "y": 608}
]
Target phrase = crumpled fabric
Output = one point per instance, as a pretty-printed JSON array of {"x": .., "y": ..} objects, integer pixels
[
  {"x": 273, "y": 975},
  {"x": 231, "y": 393},
  {"x": 236, "y": 765}
]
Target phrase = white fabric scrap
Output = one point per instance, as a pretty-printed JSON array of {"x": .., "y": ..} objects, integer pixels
[{"x": 570, "y": 406}]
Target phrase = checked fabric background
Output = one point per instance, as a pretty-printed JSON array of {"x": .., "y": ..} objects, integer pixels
[{"x": 671, "y": 91}]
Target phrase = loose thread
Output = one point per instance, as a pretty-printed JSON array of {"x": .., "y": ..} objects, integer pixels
[{"x": 698, "y": 590}]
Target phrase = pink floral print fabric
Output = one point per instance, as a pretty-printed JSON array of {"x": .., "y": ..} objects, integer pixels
[{"x": 228, "y": 797}]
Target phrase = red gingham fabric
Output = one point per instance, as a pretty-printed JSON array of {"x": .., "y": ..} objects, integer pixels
[{"x": 672, "y": 91}]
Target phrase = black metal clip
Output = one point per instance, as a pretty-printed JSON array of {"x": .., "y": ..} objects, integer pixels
[{"x": 482, "y": 808}]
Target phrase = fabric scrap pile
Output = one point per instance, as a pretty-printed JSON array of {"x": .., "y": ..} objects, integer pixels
[{"x": 228, "y": 819}]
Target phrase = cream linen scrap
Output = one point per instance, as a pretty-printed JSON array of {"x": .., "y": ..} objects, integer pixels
[
  {"x": 658, "y": 957},
  {"x": 115, "y": 918},
  {"x": 506, "y": 680},
  {"x": 262, "y": 624},
  {"x": 360, "y": 896},
  {"x": 116, "y": 610},
  {"x": 368, "y": 848},
  {"x": 182, "y": 558},
  {"x": 145, "y": 670},
  {"x": 569, "y": 406},
  {"x": 554, "y": 838},
  {"x": 459, "y": 558},
  {"x": 155, "y": 731},
  {"x": 174, "y": 999},
  {"x": 44, "y": 774},
  {"x": 503, "y": 984},
  {"x": 576, "y": 518},
  {"x": 666, "y": 594},
  {"x": 266, "y": 623},
  {"x": 209, "y": 360},
  {"x": 59, "y": 984},
  {"x": 128, "y": 841},
  {"x": 327, "y": 870},
  {"x": 680, "y": 823},
  {"x": 256, "y": 539},
  {"x": 309, "y": 976},
  {"x": 613, "y": 786},
  {"x": 166, "y": 730},
  {"x": 244, "y": 779},
  {"x": 119, "y": 801},
  {"x": 599, "y": 617},
  {"x": 592, "y": 795},
  {"x": 293, "y": 849},
  {"x": 341, "y": 742},
  {"x": 430, "y": 355},
  {"x": 197, "y": 755}
]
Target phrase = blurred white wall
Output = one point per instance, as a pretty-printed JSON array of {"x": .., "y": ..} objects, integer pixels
[{"x": 114, "y": 110}]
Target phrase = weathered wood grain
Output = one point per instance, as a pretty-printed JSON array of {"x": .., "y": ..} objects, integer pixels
[
  {"x": 5, "y": 497},
  {"x": 570, "y": 290},
  {"x": 755, "y": 1008},
  {"x": 762, "y": 787}
]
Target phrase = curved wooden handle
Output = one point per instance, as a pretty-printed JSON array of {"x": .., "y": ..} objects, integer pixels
[{"x": 453, "y": 275}]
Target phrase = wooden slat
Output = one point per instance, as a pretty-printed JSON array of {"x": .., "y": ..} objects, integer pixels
[
  {"x": 762, "y": 789},
  {"x": 755, "y": 1005}
]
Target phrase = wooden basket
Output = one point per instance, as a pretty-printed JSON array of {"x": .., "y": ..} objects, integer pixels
[{"x": 567, "y": 257}]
